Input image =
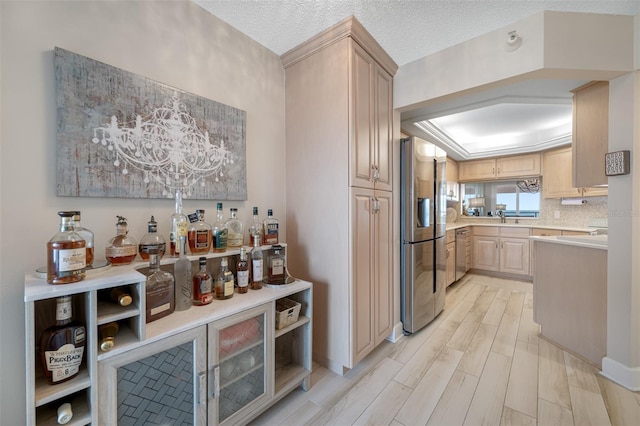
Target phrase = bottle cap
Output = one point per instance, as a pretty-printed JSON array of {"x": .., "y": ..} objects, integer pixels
[
  {"x": 270, "y": 212},
  {"x": 64, "y": 413},
  {"x": 107, "y": 343},
  {"x": 255, "y": 211}
]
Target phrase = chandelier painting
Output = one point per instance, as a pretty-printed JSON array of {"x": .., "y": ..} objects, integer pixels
[{"x": 123, "y": 135}]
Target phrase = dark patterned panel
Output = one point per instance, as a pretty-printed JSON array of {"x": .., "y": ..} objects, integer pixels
[{"x": 157, "y": 389}]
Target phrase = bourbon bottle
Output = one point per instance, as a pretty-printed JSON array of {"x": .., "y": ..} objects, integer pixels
[
  {"x": 160, "y": 290},
  {"x": 62, "y": 345},
  {"x": 86, "y": 235},
  {"x": 118, "y": 295},
  {"x": 151, "y": 241},
  {"x": 199, "y": 234},
  {"x": 242, "y": 270},
  {"x": 219, "y": 232},
  {"x": 225, "y": 282},
  {"x": 66, "y": 253},
  {"x": 107, "y": 333},
  {"x": 256, "y": 266},
  {"x": 235, "y": 230},
  {"x": 202, "y": 285},
  {"x": 276, "y": 270},
  {"x": 255, "y": 228},
  {"x": 121, "y": 249},
  {"x": 270, "y": 229}
]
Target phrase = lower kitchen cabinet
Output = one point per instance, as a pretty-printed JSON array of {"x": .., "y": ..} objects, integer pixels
[
  {"x": 501, "y": 249},
  {"x": 451, "y": 257}
]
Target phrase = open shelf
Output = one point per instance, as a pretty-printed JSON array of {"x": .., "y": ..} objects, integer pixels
[
  {"x": 302, "y": 320},
  {"x": 45, "y": 393}
]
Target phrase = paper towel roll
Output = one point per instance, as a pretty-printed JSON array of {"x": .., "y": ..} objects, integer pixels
[{"x": 573, "y": 201}]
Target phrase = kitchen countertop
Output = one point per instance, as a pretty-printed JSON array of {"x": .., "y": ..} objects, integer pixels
[
  {"x": 457, "y": 225},
  {"x": 588, "y": 241}
]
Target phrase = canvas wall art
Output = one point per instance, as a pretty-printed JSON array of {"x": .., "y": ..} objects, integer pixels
[{"x": 122, "y": 135}]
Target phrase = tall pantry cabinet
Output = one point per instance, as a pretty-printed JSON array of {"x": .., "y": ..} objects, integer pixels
[{"x": 339, "y": 135}]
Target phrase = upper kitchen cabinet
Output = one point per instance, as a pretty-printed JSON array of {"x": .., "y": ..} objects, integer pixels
[
  {"x": 499, "y": 168},
  {"x": 590, "y": 133},
  {"x": 339, "y": 194},
  {"x": 556, "y": 176},
  {"x": 452, "y": 180}
]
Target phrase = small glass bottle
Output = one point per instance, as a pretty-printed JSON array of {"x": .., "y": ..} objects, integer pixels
[
  {"x": 235, "y": 230},
  {"x": 107, "y": 334},
  {"x": 66, "y": 253},
  {"x": 62, "y": 345},
  {"x": 219, "y": 232},
  {"x": 178, "y": 227},
  {"x": 225, "y": 282},
  {"x": 255, "y": 227},
  {"x": 159, "y": 290},
  {"x": 242, "y": 270},
  {"x": 151, "y": 241},
  {"x": 86, "y": 235},
  {"x": 256, "y": 266},
  {"x": 199, "y": 234},
  {"x": 184, "y": 283},
  {"x": 202, "y": 285},
  {"x": 118, "y": 295},
  {"x": 121, "y": 249},
  {"x": 270, "y": 229},
  {"x": 275, "y": 270}
]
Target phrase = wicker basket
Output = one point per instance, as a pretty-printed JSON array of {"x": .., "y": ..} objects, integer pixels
[{"x": 287, "y": 312}]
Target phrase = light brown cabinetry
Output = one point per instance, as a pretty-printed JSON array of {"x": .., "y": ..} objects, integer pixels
[
  {"x": 590, "y": 134},
  {"x": 339, "y": 167},
  {"x": 556, "y": 179},
  {"x": 452, "y": 180},
  {"x": 451, "y": 256},
  {"x": 501, "y": 249},
  {"x": 499, "y": 168}
]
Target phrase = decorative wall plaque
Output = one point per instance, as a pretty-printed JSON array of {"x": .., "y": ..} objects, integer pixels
[{"x": 617, "y": 163}]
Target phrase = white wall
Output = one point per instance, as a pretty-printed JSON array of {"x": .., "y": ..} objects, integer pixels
[{"x": 173, "y": 42}]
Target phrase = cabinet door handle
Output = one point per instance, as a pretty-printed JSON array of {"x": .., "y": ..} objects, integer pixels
[
  {"x": 376, "y": 173},
  {"x": 202, "y": 388},
  {"x": 216, "y": 382}
]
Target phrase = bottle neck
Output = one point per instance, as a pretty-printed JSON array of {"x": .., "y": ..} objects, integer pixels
[
  {"x": 183, "y": 244},
  {"x": 121, "y": 230},
  {"x": 154, "y": 262},
  {"x": 178, "y": 202},
  {"x": 67, "y": 224},
  {"x": 63, "y": 310}
]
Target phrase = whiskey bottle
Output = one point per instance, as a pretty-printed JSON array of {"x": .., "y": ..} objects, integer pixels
[
  {"x": 270, "y": 229},
  {"x": 62, "y": 345},
  {"x": 255, "y": 228},
  {"x": 119, "y": 295},
  {"x": 107, "y": 334},
  {"x": 275, "y": 270},
  {"x": 121, "y": 249},
  {"x": 242, "y": 270},
  {"x": 66, "y": 253},
  {"x": 225, "y": 282},
  {"x": 235, "y": 230},
  {"x": 219, "y": 232},
  {"x": 159, "y": 289},
  {"x": 202, "y": 285},
  {"x": 182, "y": 274},
  {"x": 179, "y": 225},
  {"x": 86, "y": 235},
  {"x": 151, "y": 241},
  {"x": 199, "y": 234},
  {"x": 256, "y": 266}
]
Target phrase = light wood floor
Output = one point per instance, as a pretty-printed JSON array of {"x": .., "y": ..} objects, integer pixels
[{"x": 480, "y": 362}]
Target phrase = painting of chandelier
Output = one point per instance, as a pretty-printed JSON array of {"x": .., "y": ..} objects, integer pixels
[
  {"x": 123, "y": 135},
  {"x": 166, "y": 147}
]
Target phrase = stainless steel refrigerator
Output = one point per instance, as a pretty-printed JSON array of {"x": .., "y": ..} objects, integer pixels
[{"x": 423, "y": 228}]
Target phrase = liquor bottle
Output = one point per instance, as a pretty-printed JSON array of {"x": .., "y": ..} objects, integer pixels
[
  {"x": 225, "y": 282},
  {"x": 151, "y": 241},
  {"x": 270, "y": 229},
  {"x": 179, "y": 225},
  {"x": 121, "y": 249},
  {"x": 65, "y": 413},
  {"x": 159, "y": 290},
  {"x": 62, "y": 345},
  {"x": 119, "y": 295},
  {"x": 235, "y": 230},
  {"x": 202, "y": 285},
  {"x": 182, "y": 274},
  {"x": 255, "y": 228},
  {"x": 199, "y": 234},
  {"x": 86, "y": 235},
  {"x": 107, "y": 334},
  {"x": 242, "y": 269},
  {"x": 219, "y": 232},
  {"x": 256, "y": 266},
  {"x": 275, "y": 269},
  {"x": 66, "y": 253}
]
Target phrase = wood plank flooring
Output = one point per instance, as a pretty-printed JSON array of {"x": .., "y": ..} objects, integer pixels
[{"x": 480, "y": 362}]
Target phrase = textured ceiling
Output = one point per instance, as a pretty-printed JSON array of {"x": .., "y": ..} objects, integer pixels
[{"x": 406, "y": 29}]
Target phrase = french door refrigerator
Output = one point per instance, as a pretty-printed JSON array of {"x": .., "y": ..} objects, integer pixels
[{"x": 423, "y": 228}]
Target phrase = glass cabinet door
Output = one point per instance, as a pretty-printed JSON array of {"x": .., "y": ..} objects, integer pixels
[
  {"x": 240, "y": 358},
  {"x": 164, "y": 382}
]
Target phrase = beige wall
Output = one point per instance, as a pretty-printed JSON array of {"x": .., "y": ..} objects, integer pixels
[{"x": 173, "y": 42}]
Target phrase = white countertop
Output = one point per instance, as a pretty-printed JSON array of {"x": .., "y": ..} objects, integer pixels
[
  {"x": 457, "y": 225},
  {"x": 588, "y": 241}
]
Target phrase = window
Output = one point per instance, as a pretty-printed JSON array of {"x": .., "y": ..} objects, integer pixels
[{"x": 517, "y": 202}]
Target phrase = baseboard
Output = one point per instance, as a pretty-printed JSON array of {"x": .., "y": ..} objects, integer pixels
[
  {"x": 396, "y": 334},
  {"x": 621, "y": 374},
  {"x": 331, "y": 365}
]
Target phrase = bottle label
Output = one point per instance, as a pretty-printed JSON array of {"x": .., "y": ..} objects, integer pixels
[
  {"x": 277, "y": 266},
  {"x": 256, "y": 266},
  {"x": 229, "y": 287},
  {"x": 71, "y": 260},
  {"x": 271, "y": 233},
  {"x": 243, "y": 278},
  {"x": 206, "y": 286},
  {"x": 161, "y": 308},
  {"x": 65, "y": 362},
  {"x": 221, "y": 239},
  {"x": 205, "y": 299},
  {"x": 63, "y": 310},
  {"x": 202, "y": 239},
  {"x": 121, "y": 251},
  {"x": 181, "y": 228}
]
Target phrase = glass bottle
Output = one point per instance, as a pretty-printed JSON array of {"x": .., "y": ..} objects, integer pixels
[
  {"x": 86, "y": 235},
  {"x": 235, "y": 230},
  {"x": 66, "y": 253},
  {"x": 199, "y": 234},
  {"x": 242, "y": 269},
  {"x": 256, "y": 266},
  {"x": 219, "y": 232},
  {"x": 225, "y": 282},
  {"x": 118, "y": 295},
  {"x": 107, "y": 334},
  {"x": 255, "y": 227},
  {"x": 275, "y": 269},
  {"x": 182, "y": 274},
  {"x": 202, "y": 285},
  {"x": 179, "y": 225},
  {"x": 270, "y": 229},
  {"x": 151, "y": 241},
  {"x": 121, "y": 249},
  {"x": 159, "y": 290},
  {"x": 62, "y": 345}
]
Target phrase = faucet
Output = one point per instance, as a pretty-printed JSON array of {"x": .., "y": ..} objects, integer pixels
[{"x": 502, "y": 218}]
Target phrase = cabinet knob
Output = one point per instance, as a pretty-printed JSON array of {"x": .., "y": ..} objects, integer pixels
[{"x": 376, "y": 173}]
